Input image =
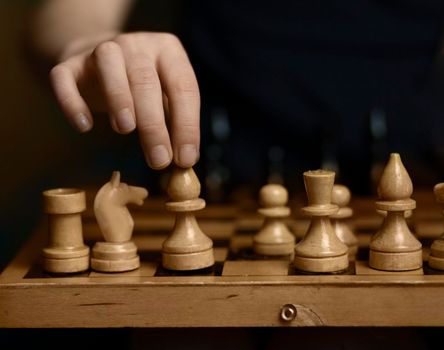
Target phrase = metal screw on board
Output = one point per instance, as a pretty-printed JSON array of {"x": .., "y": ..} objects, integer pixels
[{"x": 288, "y": 312}]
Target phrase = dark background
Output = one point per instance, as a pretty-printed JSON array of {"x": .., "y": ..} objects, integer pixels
[
  {"x": 39, "y": 151},
  {"x": 227, "y": 338}
]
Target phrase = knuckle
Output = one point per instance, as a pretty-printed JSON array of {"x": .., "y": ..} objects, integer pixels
[
  {"x": 171, "y": 45},
  {"x": 170, "y": 39},
  {"x": 189, "y": 127},
  {"x": 186, "y": 86},
  {"x": 119, "y": 97},
  {"x": 187, "y": 133},
  {"x": 122, "y": 37},
  {"x": 143, "y": 78},
  {"x": 151, "y": 130},
  {"x": 117, "y": 94},
  {"x": 67, "y": 101},
  {"x": 105, "y": 48},
  {"x": 117, "y": 89},
  {"x": 126, "y": 39},
  {"x": 58, "y": 81},
  {"x": 188, "y": 121},
  {"x": 186, "y": 130},
  {"x": 57, "y": 71}
]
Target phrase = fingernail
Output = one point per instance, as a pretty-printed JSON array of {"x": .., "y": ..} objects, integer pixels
[
  {"x": 159, "y": 157},
  {"x": 83, "y": 123},
  {"x": 187, "y": 155},
  {"x": 125, "y": 121}
]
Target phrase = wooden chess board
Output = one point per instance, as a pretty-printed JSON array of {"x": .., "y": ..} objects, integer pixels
[{"x": 241, "y": 290}]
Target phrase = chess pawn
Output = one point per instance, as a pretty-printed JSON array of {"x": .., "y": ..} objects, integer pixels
[
  {"x": 187, "y": 247},
  {"x": 436, "y": 258},
  {"x": 118, "y": 252},
  {"x": 320, "y": 250},
  {"x": 393, "y": 247},
  {"x": 66, "y": 252},
  {"x": 274, "y": 238},
  {"x": 341, "y": 197}
]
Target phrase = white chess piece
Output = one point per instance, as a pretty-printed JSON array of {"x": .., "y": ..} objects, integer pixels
[
  {"x": 118, "y": 253},
  {"x": 394, "y": 247},
  {"x": 274, "y": 237},
  {"x": 341, "y": 196},
  {"x": 436, "y": 258},
  {"x": 65, "y": 252},
  {"x": 187, "y": 247},
  {"x": 320, "y": 250}
]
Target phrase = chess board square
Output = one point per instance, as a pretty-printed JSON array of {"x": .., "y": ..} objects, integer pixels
[
  {"x": 249, "y": 222},
  {"x": 425, "y": 253},
  {"x": 217, "y": 230},
  {"x": 149, "y": 242},
  {"x": 155, "y": 222},
  {"x": 363, "y": 239},
  {"x": 220, "y": 253},
  {"x": 256, "y": 268},
  {"x": 239, "y": 242},
  {"x": 428, "y": 229},
  {"x": 362, "y": 268}
]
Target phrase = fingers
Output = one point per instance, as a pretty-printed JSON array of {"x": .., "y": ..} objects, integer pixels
[
  {"x": 146, "y": 81},
  {"x": 181, "y": 87},
  {"x": 131, "y": 87},
  {"x": 110, "y": 66},
  {"x": 147, "y": 96},
  {"x": 67, "y": 94}
]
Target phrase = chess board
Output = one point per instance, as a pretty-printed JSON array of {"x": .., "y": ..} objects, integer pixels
[{"x": 240, "y": 290}]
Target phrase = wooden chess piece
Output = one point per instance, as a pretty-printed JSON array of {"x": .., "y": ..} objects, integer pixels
[
  {"x": 66, "y": 252},
  {"x": 436, "y": 257},
  {"x": 393, "y": 247},
  {"x": 341, "y": 197},
  {"x": 187, "y": 247},
  {"x": 320, "y": 250},
  {"x": 118, "y": 253},
  {"x": 274, "y": 238}
]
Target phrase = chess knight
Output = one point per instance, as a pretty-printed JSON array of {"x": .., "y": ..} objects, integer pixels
[{"x": 118, "y": 253}]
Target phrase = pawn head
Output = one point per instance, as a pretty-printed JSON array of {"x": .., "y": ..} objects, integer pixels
[
  {"x": 183, "y": 184},
  {"x": 340, "y": 195},
  {"x": 438, "y": 190},
  {"x": 273, "y": 195}
]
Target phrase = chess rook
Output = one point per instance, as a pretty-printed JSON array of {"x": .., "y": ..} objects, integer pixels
[
  {"x": 274, "y": 238},
  {"x": 118, "y": 253},
  {"x": 341, "y": 197},
  {"x": 393, "y": 247},
  {"x": 320, "y": 250},
  {"x": 436, "y": 257},
  {"x": 187, "y": 247},
  {"x": 65, "y": 252}
]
